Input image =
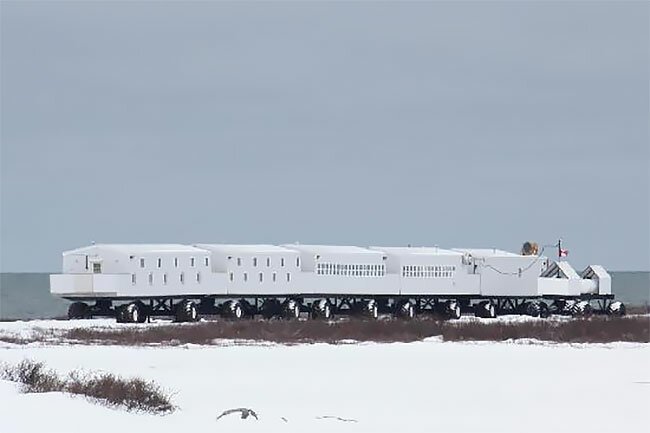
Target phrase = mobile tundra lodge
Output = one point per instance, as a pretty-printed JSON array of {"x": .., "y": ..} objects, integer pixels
[{"x": 136, "y": 281}]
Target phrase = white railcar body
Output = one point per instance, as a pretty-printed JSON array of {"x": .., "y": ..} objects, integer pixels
[
  {"x": 423, "y": 271},
  {"x": 503, "y": 273},
  {"x": 254, "y": 269},
  {"x": 174, "y": 270},
  {"x": 330, "y": 270}
]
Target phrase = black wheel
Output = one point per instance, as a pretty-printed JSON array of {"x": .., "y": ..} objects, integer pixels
[
  {"x": 78, "y": 310},
  {"x": 321, "y": 309},
  {"x": 485, "y": 309},
  {"x": 133, "y": 313},
  {"x": 119, "y": 314},
  {"x": 247, "y": 309},
  {"x": 558, "y": 307},
  {"x": 405, "y": 310},
  {"x": 270, "y": 308},
  {"x": 233, "y": 310},
  {"x": 452, "y": 310},
  {"x": 582, "y": 309},
  {"x": 616, "y": 308},
  {"x": 530, "y": 309},
  {"x": 370, "y": 309},
  {"x": 143, "y": 313},
  {"x": 544, "y": 311},
  {"x": 291, "y": 309},
  {"x": 187, "y": 311}
]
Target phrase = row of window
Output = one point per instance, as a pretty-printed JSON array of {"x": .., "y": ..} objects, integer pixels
[
  {"x": 268, "y": 261},
  {"x": 206, "y": 262},
  {"x": 348, "y": 270},
  {"x": 274, "y": 277},
  {"x": 181, "y": 278},
  {"x": 419, "y": 271}
]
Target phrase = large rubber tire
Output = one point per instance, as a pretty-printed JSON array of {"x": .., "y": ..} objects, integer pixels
[
  {"x": 616, "y": 308},
  {"x": 291, "y": 309},
  {"x": 452, "y": 310},
  {"x": 485, "y": 309},
  {"x": 78, "y": 310},
  {"x": 233, "y": 310},
  {"x": 321, "y": 309},
  {"x": 133, "y": 313},
  {"x": 187, "y": 311},
  {"x": 270, "y": 308},
  {"x": 119, "y": 314},
  {"x": 582, "y": 309},
  {"x": 370, "y": 310},
  {"x": 143, "y": 312},
  {"x": 531, "y": 309},
  {"x": 405, "y": 310},
  {"x": 544, "y": 311}
]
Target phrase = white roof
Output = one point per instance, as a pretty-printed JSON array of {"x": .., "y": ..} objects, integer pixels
[
  {"x": 229, "y": 248},
  {"x": 486, "y": 252},
  {"x": 137, "y": 248},
  {"x": 418, "y": 250},
  {"x": 330, "y": 249},
  {"x": 568, "y": 270}
]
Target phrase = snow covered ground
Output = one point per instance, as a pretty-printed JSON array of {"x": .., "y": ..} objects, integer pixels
[{"x": 425, "y": 386}]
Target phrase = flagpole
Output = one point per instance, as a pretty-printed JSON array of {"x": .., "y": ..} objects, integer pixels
[{"x": 559, "y": 249}]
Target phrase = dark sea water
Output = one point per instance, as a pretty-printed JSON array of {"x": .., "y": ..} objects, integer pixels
[{"x": 27, "y": 296}]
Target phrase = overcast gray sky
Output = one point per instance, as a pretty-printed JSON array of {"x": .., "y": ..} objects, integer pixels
[{"x": 457, "y": 124}]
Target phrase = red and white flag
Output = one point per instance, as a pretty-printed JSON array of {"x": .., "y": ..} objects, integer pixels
[{"x": 563, "y": 252}]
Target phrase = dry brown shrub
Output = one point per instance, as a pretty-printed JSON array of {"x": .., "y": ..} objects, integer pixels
[
  {"x": 105, "y": 388},
  {"x": 597, "y": 329}
]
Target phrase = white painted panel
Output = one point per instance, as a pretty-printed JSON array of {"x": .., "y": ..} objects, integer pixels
[
  {"x": 71, "y": 284},
  {"x": 553, "y": 286}
]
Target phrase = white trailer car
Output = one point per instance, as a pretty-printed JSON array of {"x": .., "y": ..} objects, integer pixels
[{"x": 134, "y": 282}]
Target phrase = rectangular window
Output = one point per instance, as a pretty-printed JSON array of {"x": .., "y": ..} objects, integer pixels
[
  {"x": 275, "y": 276},
  {"x": 268, "y": 262},
  {"x": 164, "y": 278},
  {"x": 245, "y": 276},
  {"x": 254, "y": 261},
  {"x": 142, "y": 263},
  {"x": 297, "y": 262},
  {"x": 175, "y": 262},
  {"x": 159, "y": 262},
  {"x": 206, "y": 261},
  {"x": 182, "y": 278},
  {"x": 288, "y": 277},
  {"x": 150, "y": 278},
  {"x": 261, "y": 277},
  {"x": 198, "y": 277},
  {"x": 192, "y": 262},
  {"x": 232, "y": 277},
  {"x": 132, "y": 278},
  {"x": 238, "y": 261},
  {"x": 282, "y": 261},
  {"x": 97, "y": 268}
]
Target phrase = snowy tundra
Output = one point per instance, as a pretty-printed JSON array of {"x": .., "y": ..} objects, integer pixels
[{"x": 428, "y": 386}]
